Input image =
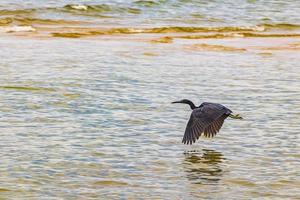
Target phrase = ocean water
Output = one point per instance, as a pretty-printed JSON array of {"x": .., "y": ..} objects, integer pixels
[{"x": 86, "y": 90}]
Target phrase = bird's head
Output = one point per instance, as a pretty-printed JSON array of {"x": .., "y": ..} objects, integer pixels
[{"x": 186, "y": 101}]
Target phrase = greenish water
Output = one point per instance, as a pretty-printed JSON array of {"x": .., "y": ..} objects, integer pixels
[
  {"x": 159, "y": 12},
  {"x": 90, "y": 117}
]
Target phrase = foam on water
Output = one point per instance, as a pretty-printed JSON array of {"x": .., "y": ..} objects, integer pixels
[
  {"x": 79, "y": 7},
  {"x": 12, "y": 29}
]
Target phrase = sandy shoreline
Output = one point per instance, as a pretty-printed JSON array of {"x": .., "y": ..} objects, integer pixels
[{"x": 218, "y": 40}]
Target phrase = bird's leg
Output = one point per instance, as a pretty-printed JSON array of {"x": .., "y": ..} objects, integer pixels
[{"x": 237, "y": 116}]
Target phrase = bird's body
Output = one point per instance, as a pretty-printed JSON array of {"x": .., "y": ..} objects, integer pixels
[{"x": 207, "y": 118}]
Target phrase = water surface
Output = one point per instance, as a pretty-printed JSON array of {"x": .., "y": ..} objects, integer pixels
[{"x": 89, "y": 117}]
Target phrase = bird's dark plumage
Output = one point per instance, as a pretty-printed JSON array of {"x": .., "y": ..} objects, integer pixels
[{"x": 208, "y": 118}]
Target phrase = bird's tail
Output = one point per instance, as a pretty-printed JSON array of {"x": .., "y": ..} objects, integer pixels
[{"x": 237, "y": 116}]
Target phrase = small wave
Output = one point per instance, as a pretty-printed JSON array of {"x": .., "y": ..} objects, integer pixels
[
  {"x": 146, "y": 3},
  {"x": 284, "y": 26},
  {"x": 70, "y": 35},
  {"x": 110, "y": 183},
  {"x": 75, "y": 9},
  {"x": 290, "y": 47},
  {"x": 27, "y": 88},
  {"x": 163, "y": 40},
  {"x": 234, "y": 35},
  {"x": 27, "y": 21},
  {"x": 259, "y": 28},
  {"x": 227, "y": 32},
  {"x": 78, "y": 7},
  {"x": 221, "y": 30},
  {"x": 5, "y": 21},
  {"x": 101, "y": 8},
  {"x": 209, "y": 47},
  {"x": 247, "y": 34},
  {"x": 208, "y": 36},
  {"x": 4, "y": 190},
  {"x": 179, "y": 29},
  {"x": 95, "y": 32},
  {"x": 97, "y": 8},
  {"x": 150, "y": 54},
  {"x": 17, "y": 12}
]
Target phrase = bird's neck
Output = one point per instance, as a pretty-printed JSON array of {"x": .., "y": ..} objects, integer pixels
[{"x": 192, "y": 105}]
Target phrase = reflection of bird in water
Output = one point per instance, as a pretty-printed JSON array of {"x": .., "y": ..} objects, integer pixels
[
  {"x": 207, "y": 118},
  {"x": 203, "y": 169}
]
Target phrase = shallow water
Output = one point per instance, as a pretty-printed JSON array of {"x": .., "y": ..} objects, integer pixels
[{"x": 90, "y": 117}]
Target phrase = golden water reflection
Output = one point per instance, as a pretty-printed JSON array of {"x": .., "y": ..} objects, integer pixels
[{"x": 203, "y": 167}]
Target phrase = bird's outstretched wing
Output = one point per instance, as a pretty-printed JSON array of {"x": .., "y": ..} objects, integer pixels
[
  {"x": 208, "y": 118},
  {"x": 213, "y": 128}
]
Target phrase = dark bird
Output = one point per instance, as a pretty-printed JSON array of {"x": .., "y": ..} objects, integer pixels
[{"x": 207, "y": 118}]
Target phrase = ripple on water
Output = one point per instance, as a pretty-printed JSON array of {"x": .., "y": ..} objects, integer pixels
[
  {"x": 110, "y": 183},
  {"x": 28, "y": 88},
  {"x": 96, "y": 121}
]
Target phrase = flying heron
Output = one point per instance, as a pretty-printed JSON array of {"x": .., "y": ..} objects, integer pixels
[{"x": 207, "y": 118}]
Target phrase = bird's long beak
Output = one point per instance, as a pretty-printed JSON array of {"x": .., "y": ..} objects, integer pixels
[{"x": 176, "y": 102}]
